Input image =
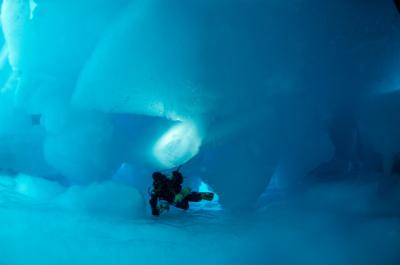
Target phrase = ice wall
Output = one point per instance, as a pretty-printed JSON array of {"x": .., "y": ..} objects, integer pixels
[{"x": 245, "y": 91}]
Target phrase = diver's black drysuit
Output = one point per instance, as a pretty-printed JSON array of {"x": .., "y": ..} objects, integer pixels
[{"x": 167, "y": 189}]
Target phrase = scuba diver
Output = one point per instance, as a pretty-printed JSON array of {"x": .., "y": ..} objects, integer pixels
[{"x": 167, "y": 190}]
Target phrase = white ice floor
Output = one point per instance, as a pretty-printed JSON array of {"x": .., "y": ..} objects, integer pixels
[{"x": 292, "y": 231}]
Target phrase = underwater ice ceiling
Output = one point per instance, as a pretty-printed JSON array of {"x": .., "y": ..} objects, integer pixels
[{"x": 289, "y": 90}]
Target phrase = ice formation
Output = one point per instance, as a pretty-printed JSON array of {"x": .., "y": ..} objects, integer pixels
[{"x": 285, "y": 109}]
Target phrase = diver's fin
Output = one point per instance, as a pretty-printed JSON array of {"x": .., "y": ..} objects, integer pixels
[{"x": 208, "y": 196}]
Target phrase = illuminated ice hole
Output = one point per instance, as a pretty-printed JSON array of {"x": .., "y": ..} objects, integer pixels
[
  {"x": 213, "y": 205},
  {"x": 178, "y": 145}
]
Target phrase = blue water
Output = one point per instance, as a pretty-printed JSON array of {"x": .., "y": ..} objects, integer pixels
[{"x": 286, "y": 110}]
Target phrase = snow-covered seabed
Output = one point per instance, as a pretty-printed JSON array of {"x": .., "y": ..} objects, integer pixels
[{"x": 336, "y": 228}]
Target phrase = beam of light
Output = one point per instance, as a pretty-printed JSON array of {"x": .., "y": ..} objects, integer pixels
[
  {"x": 178, "y": 145},
  {"x": 32, "y": 7}
]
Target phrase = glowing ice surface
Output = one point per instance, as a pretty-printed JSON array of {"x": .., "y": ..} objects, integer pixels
[{"x": 178, "y": 145}]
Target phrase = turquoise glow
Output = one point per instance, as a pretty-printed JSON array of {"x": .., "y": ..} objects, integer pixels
[{"x": 178, "y": 145}]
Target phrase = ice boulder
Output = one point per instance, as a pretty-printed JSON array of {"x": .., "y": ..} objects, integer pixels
[
  {"x": 238, "y": 165},
  {"x": 42, "y": 40},
  {"x": 21, "y": 142},
  {"x": 147, "y": 64},
  {"x": 81, "y": 146},
  {"x": 37, "y": 189},
  {"x": 106, "y": 198}
]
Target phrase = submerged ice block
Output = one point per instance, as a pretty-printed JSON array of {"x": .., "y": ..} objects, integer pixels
[
  {"x": 82, "y": 146},
  {"x": 147, "y": 63}
]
